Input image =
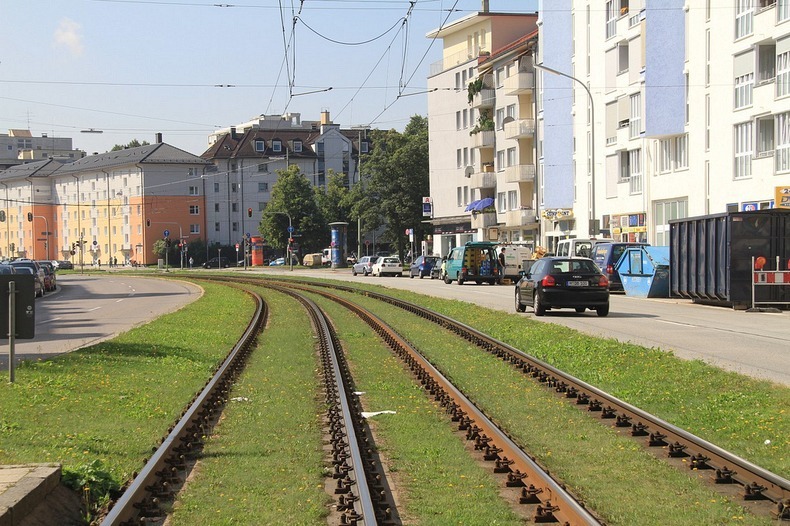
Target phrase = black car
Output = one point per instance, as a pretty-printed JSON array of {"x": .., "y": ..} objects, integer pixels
[
  {"x": 563, "y": 283},
  {"x": 63, "y": 265},
  {"x": 217, "y": 263},
  {"x": 422, "y": 266},
  {"x": 606, "y": 255}
]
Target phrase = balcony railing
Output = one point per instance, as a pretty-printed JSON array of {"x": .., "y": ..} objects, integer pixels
[
  {"x": 483, "y": 180},
  {"x": 520, "y": 129},
  {"x": 484, "y": 99},
  {"x": 483, "y": 219},
  {"x": 521, "y": 82},
  {"x": 520, "y": 173},
  {"x": 521, "y": 217},
  {"x": 484, "y": 139}
]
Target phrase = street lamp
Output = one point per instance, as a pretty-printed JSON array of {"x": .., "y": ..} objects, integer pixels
[{"x": 592, "y": 131}]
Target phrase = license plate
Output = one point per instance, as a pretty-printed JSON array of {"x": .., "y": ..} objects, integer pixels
[{"x": 578, "y": 283}]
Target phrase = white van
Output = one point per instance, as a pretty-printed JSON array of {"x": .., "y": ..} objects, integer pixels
[
  {"x": 577, "y": 247},
  {"x": 514, "y": 255}
]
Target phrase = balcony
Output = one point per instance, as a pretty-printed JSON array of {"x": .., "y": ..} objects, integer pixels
[
  {"x": 483, "y": 219},
  {"x": 521, "y": 217},
  {"x": 483, "y": 180},
  {"x": 520, "y": 173},
  {"x": 520, "y": 129},
  {"x": 484, "y": 99},
  {"x": 484, "y": 139},
  {"x": 521, "y": 82}
]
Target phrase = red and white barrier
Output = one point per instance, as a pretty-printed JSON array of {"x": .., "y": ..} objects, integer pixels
[{"x": 760, "y": 277}]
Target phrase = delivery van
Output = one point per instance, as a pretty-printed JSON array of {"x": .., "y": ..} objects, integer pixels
[
  {"x": 475, "y": 261},
  {"x": 514, "y": 255},
  {"x": 577, "y": 247}
]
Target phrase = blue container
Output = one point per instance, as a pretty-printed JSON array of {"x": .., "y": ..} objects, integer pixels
[{"x": 644, "y": 271}]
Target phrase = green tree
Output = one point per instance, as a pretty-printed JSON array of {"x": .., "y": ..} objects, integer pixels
[
  {"x": 134, "y": 143},
  {"x": 293, "y": 195},
  {"x": 336, "y": 203},
  {"x": 397, "y": 169}
]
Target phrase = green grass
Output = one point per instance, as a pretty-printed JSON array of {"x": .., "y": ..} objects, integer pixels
[
  {"x": 609, "y": 472},
  {"x": 112, "y": 402},
  {"x": 264, "y": 465}
]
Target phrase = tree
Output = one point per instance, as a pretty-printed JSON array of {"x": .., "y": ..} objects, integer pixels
[
  {"x": 336, "y": 204},
  {"x": 134, "y": 143},
  {"x": 397, "y": 169},
  {"x": 293, "y": 195}
]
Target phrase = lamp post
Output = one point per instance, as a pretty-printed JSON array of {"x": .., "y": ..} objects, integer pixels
[{"x": 592, "y": 131}]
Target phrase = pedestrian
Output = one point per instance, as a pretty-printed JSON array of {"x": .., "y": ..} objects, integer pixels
[
  {"x": 502, "y": 257},
  {"x": 98, "y": 261},
  {"x": 444, "y": 267},
  {"x": 191, "y": 262},
  {"x": 115, "y": 261}
]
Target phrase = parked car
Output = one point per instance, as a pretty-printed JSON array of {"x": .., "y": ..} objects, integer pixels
[
  {"x": 364, "y": 266},
  {"x": 35, "y": 270},
  {"x": 389, "y": 265},
  {"x": 475, "y": 261},
  {"x": 577, "y": 247},
  {"x": 218, "y": 262},
  {"x": 37, "y": 283},
  {"x": 422, "y": 266},
  {"x": 563, "y": 283},
  {"x": 606, "y": 255},
  {"x": 50, "y": 281},
  {"x": 7, "y": 269}
]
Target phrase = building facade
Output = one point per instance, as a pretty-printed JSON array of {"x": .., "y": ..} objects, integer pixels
[{"x": 20, "y": 146}]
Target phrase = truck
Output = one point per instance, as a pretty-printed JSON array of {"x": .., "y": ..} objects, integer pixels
[{"x": 514, "y": 256}]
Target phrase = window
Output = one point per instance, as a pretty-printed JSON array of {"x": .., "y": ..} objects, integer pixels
[
  {"x": 263, "y": 187},
  {"x": 459, "y": 158},
  {"x": 216, "y": 227},
  {"x": 501, "y": 199},
  {"x": 681, "y": 152},
  {"x": 194, "y": 229},
  {"x": 466, "y": 194},
  {"x": 511, "y": 111},
  {"x": 263, "y": 168},
  {"x": 216, "y": 207},
  {"x": 782, "y": 153},
  {"x": 625, "y": 167},
  {"x": 512, "y": 200},
  {"x": 743, "y": 90},
  {"x": 512, "y": 158},
  {"x": 743, "y": 150},
  {"x": 622, "y": 57},
  {"x": 234, "y": 187},
  {"x": 234, "y": 207},
  {"x": 664, "y": 155},
  {"x": 319, "y": 148},
  {"x": 192, "y": 172},
  {"x": 635, "y": 123},
  {"x": 364, "y": 147},
  {"x": 194, "y": 210},
  {"x": 635, "y": 164},
  {"x": 235, "y": 226},
  {"x": 216, "y": 187},
  {"x": 277, "y": 145},
  {"x": 783, "y": 11},
  {"x": 459, "y": 196},
  {"x": 611, "y": 18},
  {"x": 457, "y": 120},
  {"x": 500, "y": 118},
  {"x": 663, "y": 213},
  {"x": 193, "y": 190},
  {"x": 260, "y": 146},
  {"x": 744, "y": 10},
  {"x": 297, "y": 146},
  {"x": 766, "y": 62},
  {"x": 765, "y": 136},
  {"x": 783, "y": 73},
  {"x": 500, "y": 160}
]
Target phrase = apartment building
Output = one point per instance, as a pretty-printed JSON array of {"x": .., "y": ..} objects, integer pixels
[
  {"x": 112, "y": 205},
  {"x": 482, "y": 131},
  {"x": 662, "y": 110},
  {"x": 245, "y": 159},
  {"x": 20, "y": 146}
]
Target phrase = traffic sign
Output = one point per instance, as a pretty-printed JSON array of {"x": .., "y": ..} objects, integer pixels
[
  {"x": 290, "y": 229},
  {"x": 237, "y": 247},
  {"x": 167, "y": 233}
]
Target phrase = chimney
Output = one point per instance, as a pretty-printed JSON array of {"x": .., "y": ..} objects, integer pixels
[
  {"x": 159, "y": 138},
  {"x": 325, "y": 117},
  {"x": 485, "y": 6}
]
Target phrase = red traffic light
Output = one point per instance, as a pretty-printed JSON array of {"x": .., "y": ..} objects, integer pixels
[
  {"x": 291, "y": 240},
  {"x": 249, "y": 212}
]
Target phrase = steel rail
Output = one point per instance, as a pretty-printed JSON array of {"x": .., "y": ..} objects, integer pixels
[
  {"x": 154, "y": 484},
  {"x": 757, "y": 484}
]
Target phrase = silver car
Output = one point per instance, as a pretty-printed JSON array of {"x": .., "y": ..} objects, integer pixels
[{"x": 364, "y": 265}]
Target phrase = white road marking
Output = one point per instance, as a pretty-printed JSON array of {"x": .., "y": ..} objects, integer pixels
[{"x": 676, "y": 323}]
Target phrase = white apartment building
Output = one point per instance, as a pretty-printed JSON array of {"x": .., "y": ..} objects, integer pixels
[
  {"x": 688, "y": 112},
  {"x": 481, "y": 139}
]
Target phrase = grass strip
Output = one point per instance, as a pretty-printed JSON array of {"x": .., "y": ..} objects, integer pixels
[
  {"x": 108, "y": 404},
  {"x": 437, "y": 481},
  {"x": 265, "y": 463},
  {"x": 615, "y": 476}
]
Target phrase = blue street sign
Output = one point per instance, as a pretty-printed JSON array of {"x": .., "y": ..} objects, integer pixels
[
  {"x": 290, "y": 229},
  {"x": 167, "y": 233}
]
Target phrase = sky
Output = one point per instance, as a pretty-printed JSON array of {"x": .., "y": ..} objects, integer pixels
[{"x": 184, "y": 68}]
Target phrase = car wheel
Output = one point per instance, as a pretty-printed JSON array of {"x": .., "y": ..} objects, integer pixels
[
  {"x": 580, "y": 309},
  {"x": 447, "y": 279},
  {"x": 537, "y": 305},
  {"x": 603, "y": 311},
  {"x": 365, "y": 272},
  {"x": 459, "y": 279},
  {"x": 411, "y": 276},
  {"x": 519, "y": 306},
  {"x": 353, "y": 272}
]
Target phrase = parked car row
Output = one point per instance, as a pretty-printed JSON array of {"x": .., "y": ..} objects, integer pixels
[{"x": 43, "y": 271}]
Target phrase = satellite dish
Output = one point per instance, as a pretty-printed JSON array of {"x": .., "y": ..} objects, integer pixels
[
  {"x": 469, "y": 170},
  {"x": 507, "y": 120}
]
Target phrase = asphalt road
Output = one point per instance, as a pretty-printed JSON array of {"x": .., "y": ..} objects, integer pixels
[
  {"x": 752, "y": 343},
  {"x": 88, "y": 309}
]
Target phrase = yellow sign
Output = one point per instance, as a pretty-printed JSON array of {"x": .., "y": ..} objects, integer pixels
[
  {"x": 782, "y": 197},
  {"x": 559, "y": 213}
]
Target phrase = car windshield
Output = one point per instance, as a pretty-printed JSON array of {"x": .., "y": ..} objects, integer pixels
[
  {"x": 391, "y": 260},
  {"x": 572, "y": 265}
]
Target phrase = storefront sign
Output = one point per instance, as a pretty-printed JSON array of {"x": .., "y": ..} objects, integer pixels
[
  {"x": 782, "y": 197},
  {"x": 557, "y": 214}
]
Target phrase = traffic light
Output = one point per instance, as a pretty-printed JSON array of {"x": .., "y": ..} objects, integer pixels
[
  {"x": 249, "y": 212},
  {"x": 2, "y": 215},
  {"x": 30, "y": 217},
  {"x": 167, "y": 242},
  {"x": 147, "y": 222}
]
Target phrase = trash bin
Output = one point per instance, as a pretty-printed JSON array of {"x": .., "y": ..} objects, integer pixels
[{"x": 644, "y": 271}]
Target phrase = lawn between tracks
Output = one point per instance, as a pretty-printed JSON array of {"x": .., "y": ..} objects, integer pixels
[{"x": 101, "y": 409}]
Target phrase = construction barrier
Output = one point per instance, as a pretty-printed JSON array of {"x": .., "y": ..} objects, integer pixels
[{"x": 776, "y": 278}]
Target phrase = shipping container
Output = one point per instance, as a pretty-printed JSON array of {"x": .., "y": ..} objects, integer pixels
[{"x": 711, "y": 256}]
